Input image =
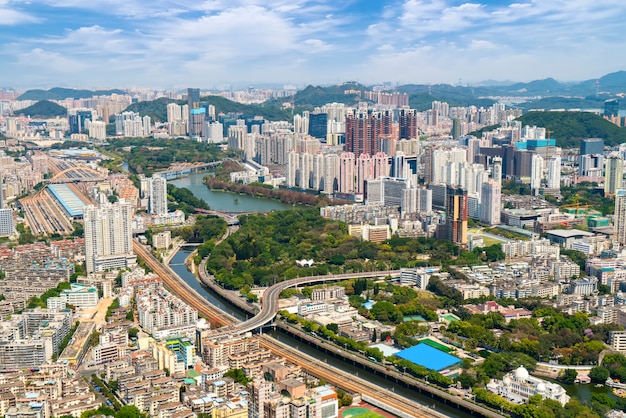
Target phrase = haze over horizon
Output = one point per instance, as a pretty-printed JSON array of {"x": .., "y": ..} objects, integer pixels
[{"x": 175, "y": 44}]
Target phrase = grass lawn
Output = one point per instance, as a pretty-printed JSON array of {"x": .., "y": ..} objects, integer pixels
[{"x": 360, "y": 413}]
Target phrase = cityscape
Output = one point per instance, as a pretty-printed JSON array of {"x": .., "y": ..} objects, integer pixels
[{"x": 305, "y": 209}]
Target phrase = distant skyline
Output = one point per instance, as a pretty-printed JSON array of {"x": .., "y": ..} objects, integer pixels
[{"x": 207, "y": 44}]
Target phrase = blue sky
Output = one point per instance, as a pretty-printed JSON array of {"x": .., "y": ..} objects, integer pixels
[{"x": 175, "y": 44}]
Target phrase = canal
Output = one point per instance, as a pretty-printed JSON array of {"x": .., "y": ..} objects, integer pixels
[
  {"x": 227, "y": 201},
  {"x": 179, "y": 267}
]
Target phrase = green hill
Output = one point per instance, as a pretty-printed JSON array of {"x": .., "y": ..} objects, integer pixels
[
  {"x": 157, "y": 109},
  {"x": 44, "y": 109},
  {"x": 60, "y": 93},
  {"x": 568, "y": 128},
  {"x": 319, "y": 96}
]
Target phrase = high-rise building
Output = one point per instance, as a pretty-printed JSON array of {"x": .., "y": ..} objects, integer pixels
[
  {"x": 536, "y": 173},
  {"x": 592, "y": 146},
  {"x": 456, "y": 215},
  {"x": 318, "y": 125},
  {"x": 456, "y": 128},
  {"x": 611, "y": 108},
  {"x": 407, "y": 124},
  {"x": 496, "y": 169},
  {"x": 620, "y": 216},
  {"x": 364, "y": 130},
  {"x": 78, "y": 120},
  {"x": 554, "y": 173},
  {"x": 491, "y": 202},
  {"x": 157, "y": 201},
  {"x": 614, "y": 174},
  {"x": 346, "y": 172},
  {"x": 108, "y": 236}
]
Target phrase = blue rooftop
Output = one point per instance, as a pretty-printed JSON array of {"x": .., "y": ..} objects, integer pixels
[
  {"x": 429, "y": 357},
  {"x": 71, "y": 203}
]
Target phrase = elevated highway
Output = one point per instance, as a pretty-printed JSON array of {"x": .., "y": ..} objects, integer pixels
[
  {"x": 269, "y": 302},
  {"x": 316, "y": 367}
]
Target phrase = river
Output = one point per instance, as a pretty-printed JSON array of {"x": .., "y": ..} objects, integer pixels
[{"x": 227, "y": 201}]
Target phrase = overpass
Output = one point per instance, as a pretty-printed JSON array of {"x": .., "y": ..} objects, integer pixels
[{"x": 269, "y": 302}]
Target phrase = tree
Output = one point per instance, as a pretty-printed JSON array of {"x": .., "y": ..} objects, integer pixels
[
  {"x": 333, "y": 327},
  {"x": 129, "y": 411},
  {"x": 568, "y": 376},
  {"x": 132, "y": 332},
  {"x": 599, "y": 374}
]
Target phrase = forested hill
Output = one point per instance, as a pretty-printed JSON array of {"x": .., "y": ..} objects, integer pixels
[
  {"x": 44, "y": 109},
  {"x": 568, "y": 128},
  {"x": 157, "y": 109},
  {"x": 60, "y": 93}
]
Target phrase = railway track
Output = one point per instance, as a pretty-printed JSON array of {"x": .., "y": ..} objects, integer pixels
[{"x": 310, "y": 364}]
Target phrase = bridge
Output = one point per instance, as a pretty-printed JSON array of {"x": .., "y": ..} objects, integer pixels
[
  {"x": 269, "y": 301},
  {"x": 227, "y": 216},
  {"x": 186, "y": 168}
]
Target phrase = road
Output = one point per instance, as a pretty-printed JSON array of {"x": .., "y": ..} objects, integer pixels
[
  {"x": 269, "y": 302},
  {"x": 315, "y": 367}
]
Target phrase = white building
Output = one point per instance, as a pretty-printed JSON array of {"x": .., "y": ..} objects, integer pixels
[
  {"x": 536, "y": 173},
  {"x": 491, "y": 202},
  {"x": 98, "y": 130},
  {"x": 7, "y": 224},
  {"x": 518, "y": 386},
  {"x": 620, "y": 216},
  {"x": 108, "y": 236},
  {"x": 78, "y": 295},
  {"x": 554, "y": 173}
]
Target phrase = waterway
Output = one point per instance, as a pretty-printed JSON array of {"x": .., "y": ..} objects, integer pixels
[
  {"x": 227, "y": 201},
  {"x": 177, "y": 264}
]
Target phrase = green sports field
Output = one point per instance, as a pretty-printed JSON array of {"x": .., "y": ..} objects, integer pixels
[{"x": 357, "y": 412}]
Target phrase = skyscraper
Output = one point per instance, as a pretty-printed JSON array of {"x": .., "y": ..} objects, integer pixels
[
  {"x": 364, "y": 129},
  {"x": 158, "y": 196},
  {"x": 78, "y": 120},
  {"x": 491, "y": 202},
  {"x": 456, "y": 215},
  {"x": 614, "y": 174},
  {"x": 407, "y": 124},
  {"x": 318, "y": 125},
  {"x": 620, "y": 216},
  {"x": 592, "y": 146},
  {"x": 536, "y": 174},
  {"x": 196, "y": 117},
  {"x": 611, "y": 108},
  {"x": 554, "y": 173},
  {"x": 108, "y": 236}
]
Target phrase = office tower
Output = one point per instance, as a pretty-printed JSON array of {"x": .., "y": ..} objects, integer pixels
[
  {"x": 554, "y": 173},
  {"x": 193, "y": 98},
  {"x": 407, "y": 124},
  {"x": 424, "y": 200},
  {"x": 590, "y": 165},
  {"x": 620, "y": 216},
  {"x": 78, "y": 120},
  {"x": 536, "y": 173},
  {"x": 108, "y": 236},
  {"x": 456, "y": 215},
  {"x": 456, "y": 128},
  {"x": 591, "y": 146},
  {"x": 611, "y": 108},
  {"x": 496, "y": 169},
  {"x": 146, "y": 123},
  {"x": 614, "y": 174},
  {"x": 364, "y": 130},
  {"x": 439, "y": 195},
  {"x": 318, "y": 125},
  {"x": 491, "y": 202},
  {"x": 197, "y": 119},
  {"x": 197, "y": 114},
  {"x": 389, "y": 191}
]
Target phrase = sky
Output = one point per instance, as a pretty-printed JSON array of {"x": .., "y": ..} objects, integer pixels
[{"x": 214, "y": 43}]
